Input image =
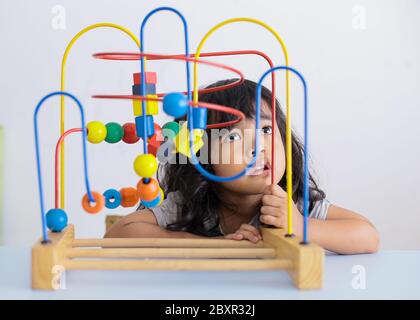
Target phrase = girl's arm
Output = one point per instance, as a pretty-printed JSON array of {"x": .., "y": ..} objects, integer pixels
[
  {"x": 344, "y": 232},
  {"x": 143, "y": 224}
]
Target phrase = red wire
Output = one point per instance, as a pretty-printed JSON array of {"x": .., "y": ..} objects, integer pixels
[
  {"x": 57, "y": 155},
  {"x": 150, "y": 56},
  {"x": 137, "y": 56},
  {"x": 207, "y": 105}
]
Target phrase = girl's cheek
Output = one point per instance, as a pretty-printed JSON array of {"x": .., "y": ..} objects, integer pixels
[{"x": 229, "y": 158}]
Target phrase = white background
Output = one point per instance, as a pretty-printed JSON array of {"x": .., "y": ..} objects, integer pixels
[{"x": 363, "y": 97}]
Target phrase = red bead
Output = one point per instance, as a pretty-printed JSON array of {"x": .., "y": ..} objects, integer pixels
[
  {"x": 153, "y": 145},
  {"x": 158, "y": 132},
  {"x": 130, "y": 135},
  {"x": 151, "y": 78},
  {"x": 156, "y": 140}
]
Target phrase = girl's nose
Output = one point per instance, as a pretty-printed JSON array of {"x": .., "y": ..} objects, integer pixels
[{"x": 254, "y": 152}]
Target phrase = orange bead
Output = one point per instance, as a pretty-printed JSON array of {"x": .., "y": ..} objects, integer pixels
[
  {"x": 148, "y": 191},
  {"x": 98, "y": 204},
  {"x": 129, "y": 197}
]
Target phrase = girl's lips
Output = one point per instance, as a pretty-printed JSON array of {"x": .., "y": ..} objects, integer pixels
[{"x": 263, "y": 170}]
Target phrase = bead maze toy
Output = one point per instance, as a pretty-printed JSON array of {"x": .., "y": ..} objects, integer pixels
[{"x": 279, "y": 248}]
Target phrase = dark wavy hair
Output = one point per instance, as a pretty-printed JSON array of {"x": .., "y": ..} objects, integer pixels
[{"x": 197, "y": 210}]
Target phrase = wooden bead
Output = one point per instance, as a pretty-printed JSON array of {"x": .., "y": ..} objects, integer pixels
[
  {"x": 162, "y": 196},
  {"x": 112, "y": 198},
  {"x": 170, "y": 129},
  {"x": 148, "y": 191},
  {"x": 150, "y": 89},
  {"x": 98, "y": 204},
  {"x": 145, "y": 165},
  {"x": 129, "y": 197},
  {"x": 152, "y": 106},
  {"x": 130, "y": 135},
  {"x": 151, "y": 77},
  {"x": 114, "y": 132},
  {"x": 158, "y": 132},
  {"x": 56, "y": 219},
  {"x": 96, "y": 132},
  {"x": 153, "y": 203},
  {"x": 153, "y": 145},
  {"x": 155, "y": 141},
  {"x": 150, "y": 129},
  {"x": 175, "y": 104},
  {"x": 199, "y": 118}
]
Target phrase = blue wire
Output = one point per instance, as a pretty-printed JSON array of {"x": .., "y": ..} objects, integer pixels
[
  {"x": 305, "y": 149},
  {"x": 38, "y": 156},
  {"x": 194, "y": 158}
]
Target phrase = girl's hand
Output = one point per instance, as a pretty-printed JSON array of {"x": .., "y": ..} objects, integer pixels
[
  {"x": 274, "y": 209},
  {"x": 247, "y": 232}
]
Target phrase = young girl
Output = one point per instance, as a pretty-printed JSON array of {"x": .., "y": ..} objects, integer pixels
[{"x": 197, "y": 207}]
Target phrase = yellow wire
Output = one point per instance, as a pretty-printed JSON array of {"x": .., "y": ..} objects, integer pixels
[
  {"x": 63, "y": 74},
  {"x": 288, "y": 111}
]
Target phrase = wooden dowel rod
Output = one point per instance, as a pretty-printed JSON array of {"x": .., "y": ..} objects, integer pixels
[
  {"x": 172, "y": 253},
  {"x": 176, "y": 264},
  {"x": 165, "y": 242}
]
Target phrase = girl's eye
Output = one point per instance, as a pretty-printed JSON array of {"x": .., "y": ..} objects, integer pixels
[
  {"x": 267, "y": 130},
  {"x": 234, "y": 136}
]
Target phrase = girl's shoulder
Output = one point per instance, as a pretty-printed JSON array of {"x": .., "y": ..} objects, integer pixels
[{"x": 319, "y": 210}]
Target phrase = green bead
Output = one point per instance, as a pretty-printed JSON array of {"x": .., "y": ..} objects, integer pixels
[
  {"x": 114, "y": 132},
  {"x": 171, "y": 129}
]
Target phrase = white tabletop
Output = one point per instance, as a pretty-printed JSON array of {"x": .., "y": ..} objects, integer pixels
[{"x": 388, "y": 275}]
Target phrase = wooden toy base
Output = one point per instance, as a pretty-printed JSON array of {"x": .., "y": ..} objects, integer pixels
[{"x": 304, "y": 263}]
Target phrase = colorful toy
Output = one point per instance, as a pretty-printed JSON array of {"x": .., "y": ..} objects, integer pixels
[{"x": 279, "y": 249}]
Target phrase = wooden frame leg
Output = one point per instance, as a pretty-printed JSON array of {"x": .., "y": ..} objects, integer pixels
[
  {"x": 47, "y": 259},
  {"x": 307, "y": 265}
]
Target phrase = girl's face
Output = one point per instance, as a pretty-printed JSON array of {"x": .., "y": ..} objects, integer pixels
[{"x": 233, "y": 151}]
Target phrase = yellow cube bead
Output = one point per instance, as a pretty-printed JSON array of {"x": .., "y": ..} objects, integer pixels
[
  {"x": 182, "y": 140},
  {"x": 152, "y": 107}
]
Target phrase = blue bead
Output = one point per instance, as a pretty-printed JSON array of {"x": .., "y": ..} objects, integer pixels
[
  {"x": 199, "y": 118},
  {"x": 150, "y": 89},
  {"x": 175, "y": 104},
  {"x": 150, "y": 128},
  {"x": 112, "y": 198},
  {"x": 151, "y": 203},
  {"x": 56, "y": 220}
]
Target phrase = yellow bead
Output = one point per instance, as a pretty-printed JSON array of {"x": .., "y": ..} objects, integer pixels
[
  {"x": 162, "y": 196},
  {"x": 182, "y": 140},
  {"x": 145, "y": 165},
  {"x": 152, "y": 107},
  {"x": 96, "y": 132}
]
